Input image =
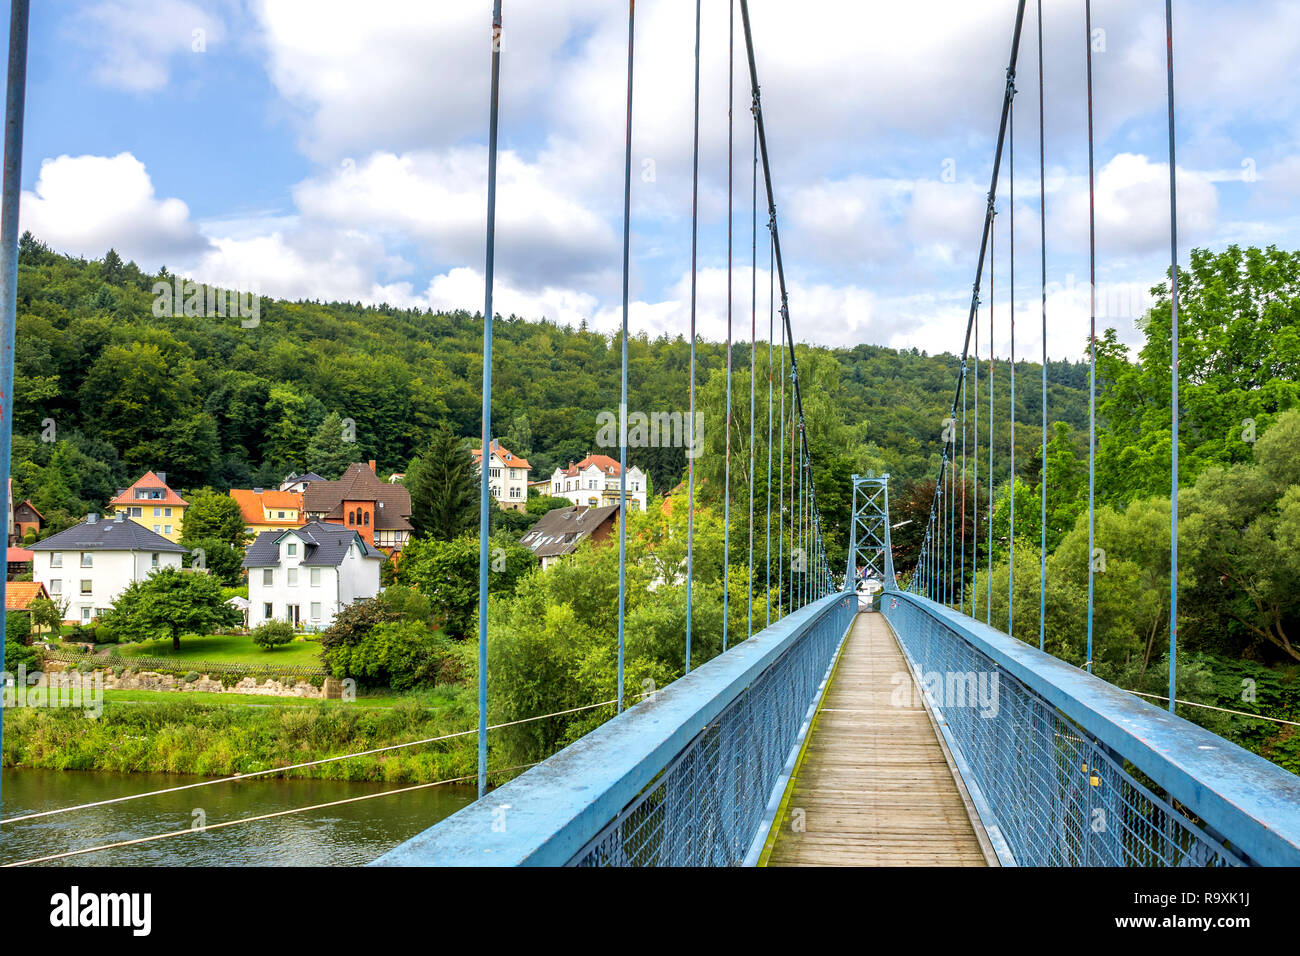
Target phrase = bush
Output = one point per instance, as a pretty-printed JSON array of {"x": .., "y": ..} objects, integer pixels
[
  {"x": 18, "y": 627},
  {"x": 105, "y": 634},
  {"x": 191, "y": 677},
  {"x": 397, "y": 654},
  {"x": 271, "y": 634},
  {"x": 21, "y": 654}
]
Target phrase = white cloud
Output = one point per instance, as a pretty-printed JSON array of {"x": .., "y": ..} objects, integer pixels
[
  {"x": 133, "y": 42},
  {"x": 439, "y": 199},
  {"x": 85, "y": 204}
]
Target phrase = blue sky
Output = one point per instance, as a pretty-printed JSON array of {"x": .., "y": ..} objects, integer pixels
[{"x": 306, "y": 149}]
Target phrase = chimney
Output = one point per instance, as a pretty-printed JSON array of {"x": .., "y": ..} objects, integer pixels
[
  {"x": 372, "y": 465},
  {"x": 119, "y": 517},
  {"x": 162, "y": 477},
  {"x": 92, "y": 517}
]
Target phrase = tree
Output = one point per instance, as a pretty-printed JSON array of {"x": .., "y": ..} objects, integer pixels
[
  {"x": 169, "y": 603},
  {"x": 272, "y": 634},
  {"x": 212, "y": 515},
  {"x": 1240, "y": 527},
  {"x": 1239, "y": 361},
  {"x": 444, "y": 488},
  {"x": 447, "y": 572},
  {"x": 332, "y": 448},
  {"x": 112, "y": 268},
  {"x": 217, "y": 558},
  {"x": 48, "y": 613}
]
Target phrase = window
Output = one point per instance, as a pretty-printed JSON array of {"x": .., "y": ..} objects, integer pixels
[
  {"x": 157, "y": 529},
  {"x": 291, "y": 549},
  {"x": 266, "y": 610},
  {"x": 56, "y": 586},
  {"x": 153, "y": 560},
  {"x": 352, "y": 517},
  {"x": 87, "y": 559},
  {"x": 167, "y": 529},
  {"x": 167, "y": 512},
  {"x": 315, "y": 577},
  {"x": 293, "y": 577},
  {"x": 86, "y": 586},
  {"x": 157, "y": 512},
  {"x": 279, "y": 514},
  {"x": 315, "y": 610},
  {"x": 366, "y": 516},
  {"x": 494, "y": 472},
  {"x": 56, "y": 559},
  {"x": 268, "y": 577},
  {"x": 137, "y": 512}
]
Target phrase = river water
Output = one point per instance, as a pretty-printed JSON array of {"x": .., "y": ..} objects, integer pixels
[{"x": 347, "y": 835}]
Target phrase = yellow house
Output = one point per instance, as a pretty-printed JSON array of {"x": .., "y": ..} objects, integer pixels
[
  {"x": 269, "y": 509},
  {"x": 151, "y": 504}
]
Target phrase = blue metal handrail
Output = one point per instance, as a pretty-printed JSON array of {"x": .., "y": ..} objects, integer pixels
[
  {"x": 1056, "y": 757},
  {"x": 682, "y": 778}
]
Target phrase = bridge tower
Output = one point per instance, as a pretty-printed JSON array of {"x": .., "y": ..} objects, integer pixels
[{"x": 871, "y": 556}]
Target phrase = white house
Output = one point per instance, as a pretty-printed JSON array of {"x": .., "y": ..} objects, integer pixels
[
  {"x": 594, "y": 482},
  {"x": 307, "y": 575},
  {"x": 89, "y": 565},
  {"x": 507, "y": 476}
]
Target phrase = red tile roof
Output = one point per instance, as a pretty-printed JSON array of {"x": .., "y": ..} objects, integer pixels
[
  {"x": 606, "y": 464},
  {"x": 18, "y": 594},
  {"x": 510, "y": 458},
  {"x": 253, "y": 503},
  {"x": 148, "y": 480}
]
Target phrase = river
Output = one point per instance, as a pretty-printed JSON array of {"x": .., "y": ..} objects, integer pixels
[{"x": 347, "y": 835}]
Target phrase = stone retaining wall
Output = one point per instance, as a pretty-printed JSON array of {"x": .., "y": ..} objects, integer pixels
[{"x": 151, "y": 680}]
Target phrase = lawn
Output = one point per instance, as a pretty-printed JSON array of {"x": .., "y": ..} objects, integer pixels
[
  {"x": 113, "y": 696},
  {"x": 227, "y": 649}
]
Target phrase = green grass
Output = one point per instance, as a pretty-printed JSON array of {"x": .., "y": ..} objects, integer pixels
[
  {"x": 227, "y": 649},
  {"x": 431, "y": 699}
]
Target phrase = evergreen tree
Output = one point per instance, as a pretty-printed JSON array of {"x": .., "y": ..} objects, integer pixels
[
  {"x": 332, "y": 448},
  {"x": 444, "y": 488}
]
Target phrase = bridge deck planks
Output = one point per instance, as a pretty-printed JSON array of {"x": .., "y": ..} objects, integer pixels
[{"x": 874, "y": 785}]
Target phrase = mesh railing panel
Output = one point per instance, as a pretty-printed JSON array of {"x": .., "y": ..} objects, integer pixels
[
  {"x": 1061, "y": 797},
  {"x": 705, "y": 807}
]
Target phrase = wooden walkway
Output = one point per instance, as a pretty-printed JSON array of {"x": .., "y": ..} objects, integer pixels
[{"x": 874, "y": 785}]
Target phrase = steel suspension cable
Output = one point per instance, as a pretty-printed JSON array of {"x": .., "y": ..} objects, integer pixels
[
  {"x": 1042, "y": 240},
  {"x": 782, "y": 590},
  {"x": 623, "y": 402},
  {"x": 1174, "y": 359},
  {"x": 988, "y": 607},
  {"x": 726, "y": 482},
  {"x": 975, "y": 457},
  {"x": 753, "y": 347},
  {"x": 695, "y": 238},
  {"x": 1011, "y": 408},
  {"x": 484, "y": 499},
  {"x": 15, "y": 106},
  {"x": 961, "y": 564},
  {"x": 1092, "y": 341},
  {"x": 771, "y": 327},
  {"x": 796, "y": 397}
]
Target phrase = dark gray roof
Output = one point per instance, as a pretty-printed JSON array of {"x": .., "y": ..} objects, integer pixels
[
  {"x": 107, "y": 534},
  {"x": 561, "y": 530},
  {"x": 326, "y": 546}
]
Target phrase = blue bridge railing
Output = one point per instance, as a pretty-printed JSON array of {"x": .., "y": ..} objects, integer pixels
[
  {"x": 1068, "y": 770},
  {"x": 684, "y": 778}
]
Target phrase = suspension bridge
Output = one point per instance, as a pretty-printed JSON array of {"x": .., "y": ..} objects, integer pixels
[
  {"x": 880, "y": 724},
  {"x": 869, "y": 717}
]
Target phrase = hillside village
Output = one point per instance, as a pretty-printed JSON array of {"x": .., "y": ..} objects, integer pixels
[{"x": 314, "y": 545}]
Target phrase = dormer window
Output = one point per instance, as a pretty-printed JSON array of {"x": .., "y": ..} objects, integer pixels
[{"x": 291, "y": 549}]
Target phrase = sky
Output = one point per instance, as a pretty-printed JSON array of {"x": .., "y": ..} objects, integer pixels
[{"x": 313, "y": 149}]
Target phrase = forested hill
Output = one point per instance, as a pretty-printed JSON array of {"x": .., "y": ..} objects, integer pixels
[{"x": 106, "y": 388}]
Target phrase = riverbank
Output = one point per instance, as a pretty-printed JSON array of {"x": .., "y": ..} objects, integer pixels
[{"x": 185, "y": 736}]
